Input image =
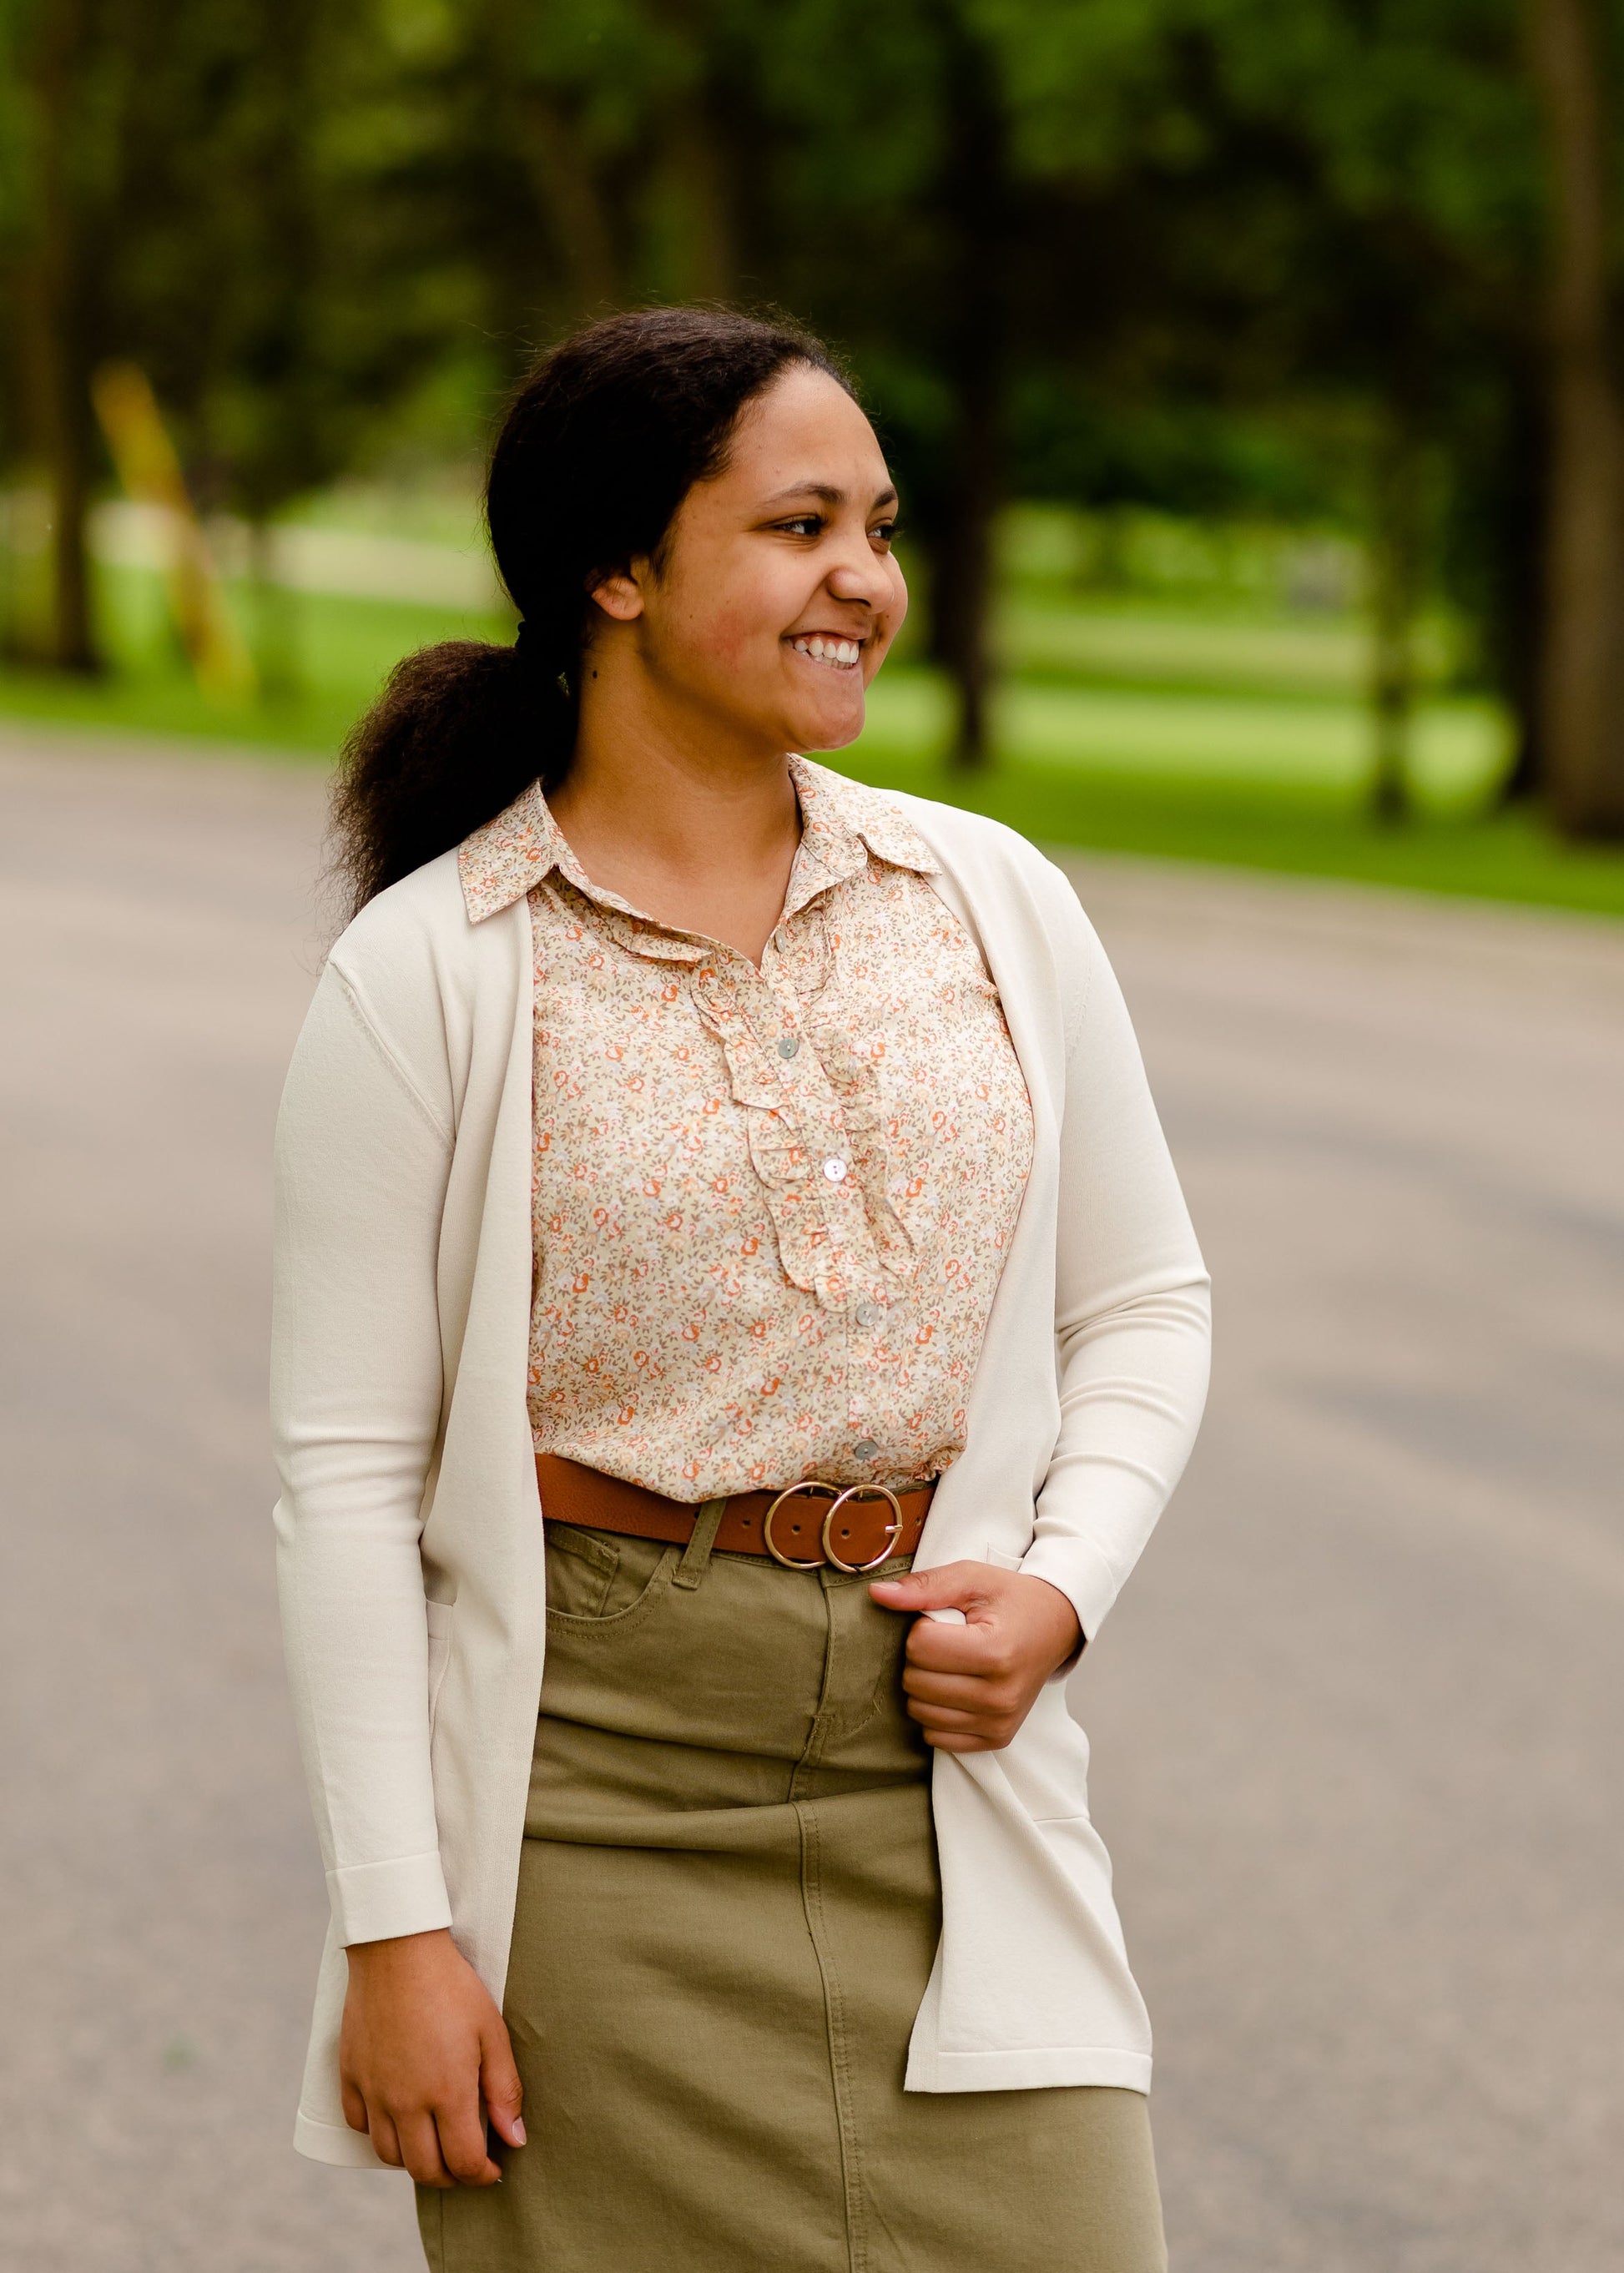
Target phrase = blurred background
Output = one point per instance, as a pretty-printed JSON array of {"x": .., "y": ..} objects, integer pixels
[
  {"x": 1248, "y": 369},
  {"x": 1253, "y": 372}
]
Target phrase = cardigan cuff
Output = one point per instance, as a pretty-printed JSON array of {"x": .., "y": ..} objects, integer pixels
[
  {"x": 378, "y": 1901},
  {"x": 1081, "y": 1574}
]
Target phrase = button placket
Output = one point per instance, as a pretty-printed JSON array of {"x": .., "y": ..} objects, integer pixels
[{"x": 781, "y": 1007}]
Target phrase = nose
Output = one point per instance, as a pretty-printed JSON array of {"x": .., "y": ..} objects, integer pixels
[{"x": 863, "y": 577}]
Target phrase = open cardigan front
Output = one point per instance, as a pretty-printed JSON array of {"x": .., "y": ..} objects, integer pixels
[{"x": 410, "y": 1547}]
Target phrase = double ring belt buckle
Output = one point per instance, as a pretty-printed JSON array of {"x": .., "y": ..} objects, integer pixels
[{"x": 838, "y": 1500}]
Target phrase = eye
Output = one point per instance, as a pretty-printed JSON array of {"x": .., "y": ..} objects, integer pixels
[
  {"x": 886, "y": 532},
  {"x": 803, "y": 524}
]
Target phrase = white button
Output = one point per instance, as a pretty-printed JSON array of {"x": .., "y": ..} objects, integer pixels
[
  {"x": 865, "y": 1449},
  {"x": 869, "y": 1314},
  {"x": 788, "y": 1044},
  {"x": 835, "y": 1170}
]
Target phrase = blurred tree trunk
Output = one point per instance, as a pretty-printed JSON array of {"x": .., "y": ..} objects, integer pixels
[
  {"x": 538, "y": 131},
  {"x": 960, "y": 542},
  {"x": 962, "y": 556},
  {"x": 53, "y": 339},
  {"x": 699, "y": 158},
  {"x": 1517, "y": 594},
  {"x": 277, "y": 449},
  {"x": 700, "y": 177},
  {"x": 566, "y": 191},
  {"x": 1397, "y": 564},
  {"x": 1582, "y": 692}
]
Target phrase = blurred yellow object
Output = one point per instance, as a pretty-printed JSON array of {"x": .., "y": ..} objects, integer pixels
[{"x": 151, "y": 473}]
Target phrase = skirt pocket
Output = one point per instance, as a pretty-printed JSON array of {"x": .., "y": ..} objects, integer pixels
[{"x": 596, "y": 1578}]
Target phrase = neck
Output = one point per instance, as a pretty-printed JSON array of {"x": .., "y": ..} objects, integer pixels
[{"x": 686, "y": 818}]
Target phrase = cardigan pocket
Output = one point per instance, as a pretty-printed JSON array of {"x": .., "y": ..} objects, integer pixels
[
  {"x": 1049, "y": 1774},
  {"x": 439, "y": 1618}
]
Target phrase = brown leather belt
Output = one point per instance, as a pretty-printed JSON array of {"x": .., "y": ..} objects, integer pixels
[{"x": 804, "y": 1527}]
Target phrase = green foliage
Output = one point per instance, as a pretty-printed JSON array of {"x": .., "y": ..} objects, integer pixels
[{"x": 1221, "y": 259}]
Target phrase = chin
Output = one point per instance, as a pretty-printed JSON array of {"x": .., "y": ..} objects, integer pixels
[{"x": 831, "y": 733}]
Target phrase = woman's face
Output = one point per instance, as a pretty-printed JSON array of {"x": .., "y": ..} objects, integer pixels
[{"x": 777, "y": 594}]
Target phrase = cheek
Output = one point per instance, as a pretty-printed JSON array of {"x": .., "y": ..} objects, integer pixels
[{"x": 734, "y": 634}]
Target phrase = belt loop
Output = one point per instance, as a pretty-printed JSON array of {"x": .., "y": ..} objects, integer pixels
[{"x": 696, "y": 1555}]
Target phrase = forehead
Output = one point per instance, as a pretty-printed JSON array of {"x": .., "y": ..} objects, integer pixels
[{"x": 805, "y": 427}]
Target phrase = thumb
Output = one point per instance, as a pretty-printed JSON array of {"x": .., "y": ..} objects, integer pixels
[
  {"x": 952, "y": 1587},
  {"x": 501, "y": 2089}
]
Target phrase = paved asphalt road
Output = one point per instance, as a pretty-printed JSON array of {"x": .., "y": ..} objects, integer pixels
[{"x": 1356, "y": 1722}]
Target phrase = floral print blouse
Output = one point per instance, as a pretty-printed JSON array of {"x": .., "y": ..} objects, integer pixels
[{"x": 771, "y": 1204}]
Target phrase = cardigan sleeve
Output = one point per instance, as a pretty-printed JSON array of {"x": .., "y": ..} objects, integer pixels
[
  {"x": 362, "y": 1161},
  {"x": 1132, "y": 1307}
]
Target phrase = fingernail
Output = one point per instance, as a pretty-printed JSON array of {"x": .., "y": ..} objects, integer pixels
[{"x": 518, "y": 2133}]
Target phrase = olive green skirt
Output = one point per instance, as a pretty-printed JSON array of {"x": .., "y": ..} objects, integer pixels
[{"x": 728, "y": 1909}]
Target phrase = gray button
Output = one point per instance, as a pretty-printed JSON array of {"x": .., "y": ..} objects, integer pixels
[
  {"x": 869, "y": 1314},
  {"x": 788, "y": 1044},
  {"x": 835, "y": 1170},
  {"x": 865, "y": 1449}
]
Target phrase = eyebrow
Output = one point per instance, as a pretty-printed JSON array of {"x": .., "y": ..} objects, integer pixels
[{"x": 826, "y": 493}]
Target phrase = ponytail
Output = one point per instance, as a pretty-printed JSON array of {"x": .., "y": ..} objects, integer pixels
[
  {"x": 459, "y": 730},
  {"x": 599, "y": 447}
]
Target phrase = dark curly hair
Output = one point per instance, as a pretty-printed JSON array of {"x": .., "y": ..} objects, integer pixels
[{"x": 600, "y": 444}]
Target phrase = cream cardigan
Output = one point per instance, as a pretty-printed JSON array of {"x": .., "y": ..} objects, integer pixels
[{"x": 410, "y": 1557}]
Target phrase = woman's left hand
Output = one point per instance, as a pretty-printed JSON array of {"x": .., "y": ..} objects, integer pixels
[{"x": 971, "y": 1686}]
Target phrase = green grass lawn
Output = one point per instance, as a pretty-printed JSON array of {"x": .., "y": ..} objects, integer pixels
[
  {"x": 346, "y": 649},
  {"x": 1138, "y": 642},
  {"x": 1237, "y": 738}
]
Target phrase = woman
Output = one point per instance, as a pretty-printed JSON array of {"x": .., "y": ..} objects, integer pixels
[{"x": 696, "y": 1172}]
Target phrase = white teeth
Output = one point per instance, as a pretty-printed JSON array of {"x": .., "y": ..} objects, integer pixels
[{"x": 841, "y": 653}]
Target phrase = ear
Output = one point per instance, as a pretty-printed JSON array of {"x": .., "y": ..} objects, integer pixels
[{"x": 619, "y": 595}]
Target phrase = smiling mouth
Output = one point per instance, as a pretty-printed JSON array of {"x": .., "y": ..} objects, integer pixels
[{"x": 833, "y": 654}]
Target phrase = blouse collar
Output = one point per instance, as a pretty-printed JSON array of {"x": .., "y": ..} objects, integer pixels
[{"x": 842, "y": 822}]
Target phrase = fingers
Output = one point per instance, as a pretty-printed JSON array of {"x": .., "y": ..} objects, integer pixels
[
  {"x": 420, "y": 2149},
  {"x": 986, "y": 1731},
  {"x": 386, "y": 2142},
  {"x": 355, "y": 2106},
  {"x": 963, "y": 1711},
  {"x": 460, "y": 2145},
  {"x": 968, "y": 1587},
  {"x": 956, "y": 1722},
  {"x": 970, "y": 1692},
  {"x": 440, "y": 2148},
  {"x": 985, "y": 1650},
  {"x": 500, "y": 2085}
]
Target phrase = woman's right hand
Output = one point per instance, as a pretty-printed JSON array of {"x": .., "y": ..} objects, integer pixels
[{"x": 423, "y": 2057}]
